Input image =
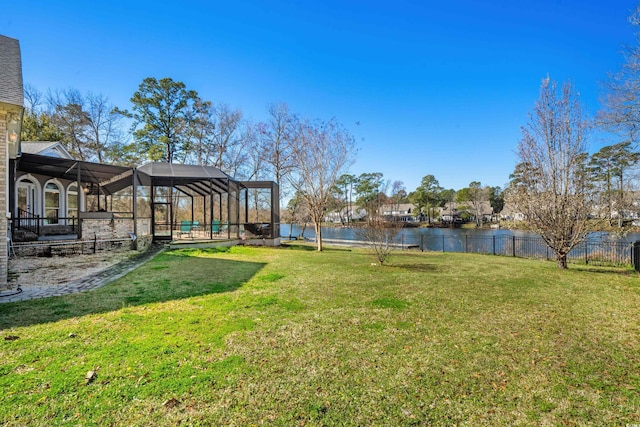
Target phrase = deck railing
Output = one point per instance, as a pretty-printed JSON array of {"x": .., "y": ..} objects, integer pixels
[{"x": 35, "y": 223}]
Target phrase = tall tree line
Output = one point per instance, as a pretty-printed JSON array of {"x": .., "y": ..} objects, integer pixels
[{"x": 86, "y": 124}]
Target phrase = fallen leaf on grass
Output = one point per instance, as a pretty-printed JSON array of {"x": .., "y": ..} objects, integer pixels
[
  {"x": 90, "y": 377},
  {"x": 171, "y": 403}
]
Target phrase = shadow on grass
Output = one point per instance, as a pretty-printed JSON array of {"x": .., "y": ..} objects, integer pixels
[
  {"x": 623, "y": 271},
  {"x": 311, "y": 247},
  {"x": 167, "y": 277},
  {"x": 418, "y": 267}
]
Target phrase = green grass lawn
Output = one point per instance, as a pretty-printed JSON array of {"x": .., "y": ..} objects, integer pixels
[{"x": 289, "y": 336}]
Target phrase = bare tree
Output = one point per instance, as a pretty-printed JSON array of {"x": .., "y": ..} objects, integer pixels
[
  {"x": 297, "y": 212},
  {"x": 69, "y": 115},
  {"x": 323, "y": 151},
  {"x": 551, "y": 184},
  {"x": 253, "y": 168},
  {"x": 226, "y": 136},
  {"x": 219, "y": 136},
  {"x": 34, "y": 99},
  {"x": 380, "y": 234},
  {"x": 380, "y": 230},
  {"x": 476, "y": 195},
  {"x": 104, "y": 136},
  {"x": 90, "y": 128},
  {"x": 37, "y": 123},
  {"x": 276, "y": 137},
  {"x": 621, "y": 100}
]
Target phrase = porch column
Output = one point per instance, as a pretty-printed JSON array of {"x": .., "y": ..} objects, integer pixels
[
  {"x": 211, "y": 209},
  {"x": 246, "y": 205},
  {"x": 228, "y": 209},
  {"x": 134, "y": 207},
  {"x": 79, "y": 198},
  {"x": 275, "y": 210}
]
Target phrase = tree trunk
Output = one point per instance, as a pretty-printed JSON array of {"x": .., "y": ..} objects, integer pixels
[
  {"x": 561, "y": 260},
  {"x": 291, "y": 228},
  {"x": 319, "y": 236}
]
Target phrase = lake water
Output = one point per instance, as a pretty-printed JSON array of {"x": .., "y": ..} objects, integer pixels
[
  {"x": 415, "y": 234},
  {"x": 603, "y": 248}
]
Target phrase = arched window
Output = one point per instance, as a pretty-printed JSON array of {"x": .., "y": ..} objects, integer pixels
[
  {"x": 72, "y": 201},
  {"x": 52, "y": 203}
]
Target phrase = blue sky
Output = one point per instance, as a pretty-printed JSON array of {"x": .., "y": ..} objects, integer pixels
[{"x": 437, "y": 87}]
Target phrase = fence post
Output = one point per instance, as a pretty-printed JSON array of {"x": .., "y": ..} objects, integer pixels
[
  {"x": 402, "y": 242},
  {"x": 422, "y": 243},
  {"x": 494, "y": 245},
  {"x": 443, "y": 243},
  {"x": 95, "y": 242},
  {"x": 586, "y": 252},
  {"x": 513, "y": 245},
  {"x": 466, "y": 243}
]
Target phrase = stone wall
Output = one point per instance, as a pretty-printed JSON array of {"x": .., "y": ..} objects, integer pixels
[
  {"x": 114, "y": 228},
  {"x": 144, "y": 227},
  {"x": 118, "y": 228},
  {"x": 143, "y": 242}
]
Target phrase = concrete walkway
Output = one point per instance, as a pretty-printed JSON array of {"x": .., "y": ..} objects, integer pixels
[{"x": 86, "y": 283}]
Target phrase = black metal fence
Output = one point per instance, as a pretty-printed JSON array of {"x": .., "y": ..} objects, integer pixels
[{"x": 593, "y": 251}]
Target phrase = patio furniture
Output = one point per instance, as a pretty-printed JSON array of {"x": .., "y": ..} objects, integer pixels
[
  {"x": 215, "y": 227},
  {"x": 186, "y": 228}
]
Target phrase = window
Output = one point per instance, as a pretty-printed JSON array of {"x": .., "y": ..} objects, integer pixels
[
  {"x": 52, "y": 203},
  {"x": 72, "y": 201}
]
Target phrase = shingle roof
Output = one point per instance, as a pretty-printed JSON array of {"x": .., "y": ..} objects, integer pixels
[{"x": 11, "y": 91}]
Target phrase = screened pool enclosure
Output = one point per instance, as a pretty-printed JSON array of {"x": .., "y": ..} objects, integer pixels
[{"x": 163, "y": 200}]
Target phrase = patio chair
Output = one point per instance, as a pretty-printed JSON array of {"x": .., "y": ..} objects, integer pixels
[
  {"x": 185, "y": 228},
  {"x": 215, "y": 227}
]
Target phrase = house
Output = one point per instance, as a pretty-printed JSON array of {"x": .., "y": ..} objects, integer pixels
[
  {"x": 510, "y": 213},
  {"x": 346, "y": 214},
  {"x": 449, "y": 213},
  {"x": 11, "y": 111},
  {"x": 403, "y": 212},
  {"x": 455, "y": 211},
  {"x": 48, "y": 194}
]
